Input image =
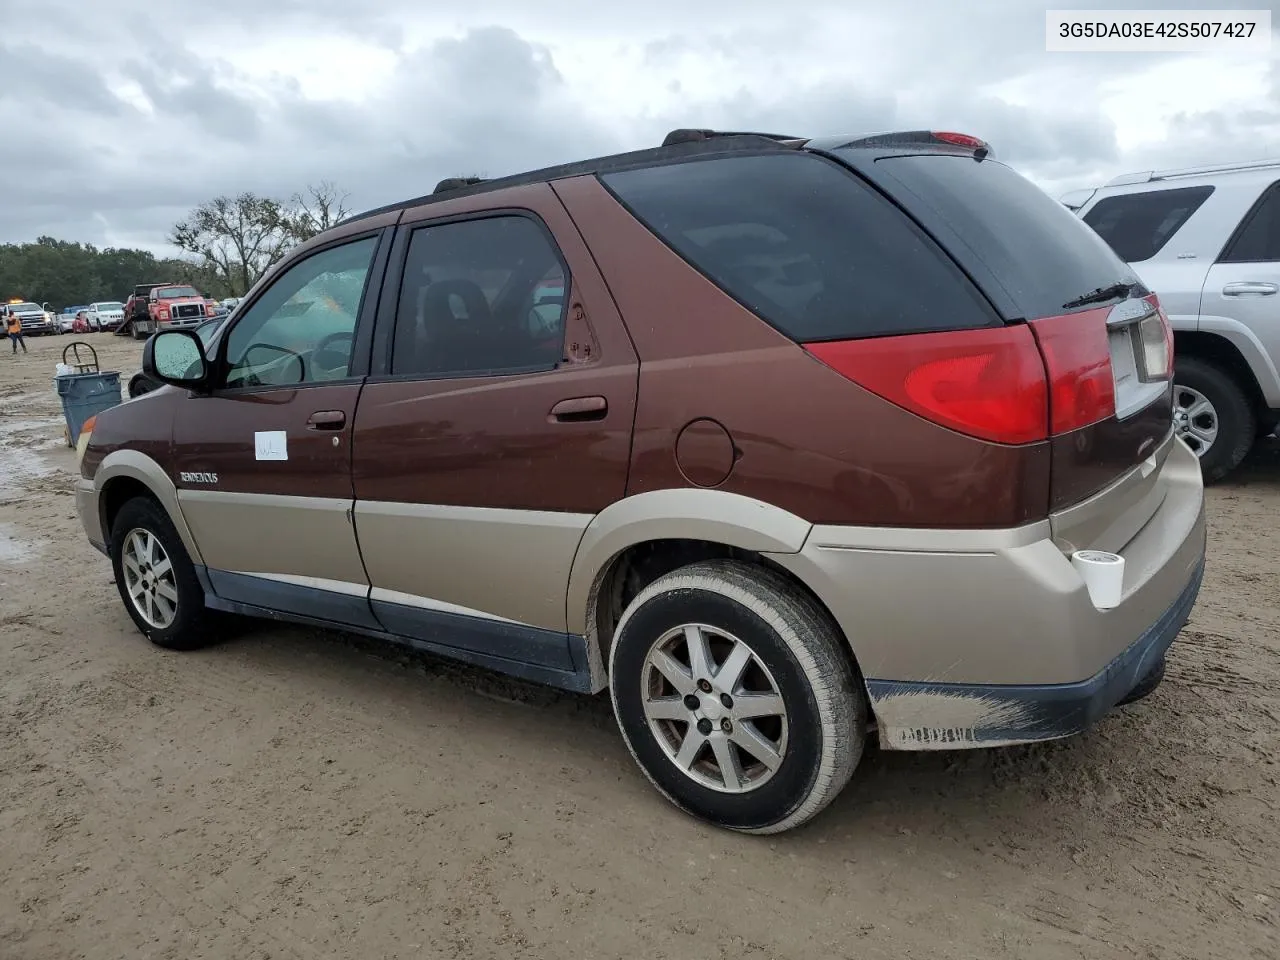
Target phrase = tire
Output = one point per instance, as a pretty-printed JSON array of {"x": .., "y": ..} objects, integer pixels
[
  {"x": 188, "y": 626},
  {"x": 1231, "y": 410},
  {"x": 138, "y": 385},
  {"x": 795, "y": 650},
  {"x": 1146, "y": 686}
]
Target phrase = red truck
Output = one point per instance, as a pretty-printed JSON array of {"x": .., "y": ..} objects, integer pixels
[{"x": 163, "y": 306}]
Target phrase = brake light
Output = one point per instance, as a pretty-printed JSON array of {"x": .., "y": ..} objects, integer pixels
[
  {"x": 1077, "y": 358},
  {"x": 959, "y": 139},
  {"x": 987, "y": 383}
]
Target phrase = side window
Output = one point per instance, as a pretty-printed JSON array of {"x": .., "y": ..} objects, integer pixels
[
  {"x": 804, "y": 244},
  {"x": 302, "y": 329},
  {"x": 1138, "y": 225},
  {"x": 1257, "y": 240},
  {"x": 480, "y": 297}
]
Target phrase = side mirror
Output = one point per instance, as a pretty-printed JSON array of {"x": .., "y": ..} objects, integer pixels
[{"x": 176, "y": 357}]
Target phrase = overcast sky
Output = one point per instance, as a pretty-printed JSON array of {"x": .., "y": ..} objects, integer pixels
[{"x": 117, "y": 116}]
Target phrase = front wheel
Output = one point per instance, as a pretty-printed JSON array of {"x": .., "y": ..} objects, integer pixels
[
  {"x": 1212, "y": 413},
  {"x": 736, "y": 697},
  {"x": 156, "y": 578}
]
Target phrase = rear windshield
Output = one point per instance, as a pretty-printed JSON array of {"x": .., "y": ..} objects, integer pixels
[
  {"x": 1138, "y": 225},
  {"x": 805, "y": 244},
  {"x": 1007, "y": 231}
]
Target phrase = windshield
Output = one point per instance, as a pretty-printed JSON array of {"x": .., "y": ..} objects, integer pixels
[
  {"x": 173, "y": 293},
  {"x": 25, "y": 308},
  {"x": 1025, "y": 248},
  {"x": 109, "y": 306}
]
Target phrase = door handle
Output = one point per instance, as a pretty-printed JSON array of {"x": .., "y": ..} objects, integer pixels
[
  {"x": 327, "y": 420},
  {"x": 1250, "y": 289},
  {"x": 578, "y": 409}
]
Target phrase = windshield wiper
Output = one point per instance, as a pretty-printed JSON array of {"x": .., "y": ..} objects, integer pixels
[{"x": 1101, "y": 295}]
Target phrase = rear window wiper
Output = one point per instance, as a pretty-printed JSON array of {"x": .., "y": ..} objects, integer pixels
[{"x": 1101, "y": 295}]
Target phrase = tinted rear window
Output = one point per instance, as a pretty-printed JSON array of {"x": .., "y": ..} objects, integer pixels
[
  {"x": 805, "y": 244},
  {"x": 1138, "y": 225},
  {"x": 1008, "y": 231},
  {"x": 1257, "y": 239}
]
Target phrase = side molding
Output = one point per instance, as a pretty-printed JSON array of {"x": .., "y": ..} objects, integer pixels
[
  {"x": 677, "y": 514},
  {"x": 140, "y": 467}
]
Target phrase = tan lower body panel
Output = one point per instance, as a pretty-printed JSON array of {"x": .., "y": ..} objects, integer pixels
[
  {"x": 506, "y": 564},
  {"x": 299, "y": 537}
]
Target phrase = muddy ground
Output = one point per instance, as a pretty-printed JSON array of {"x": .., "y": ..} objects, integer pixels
[{"x": 291, "y": 793}]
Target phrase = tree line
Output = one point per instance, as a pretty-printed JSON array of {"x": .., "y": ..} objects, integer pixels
[{"x": 223, "y": 246}]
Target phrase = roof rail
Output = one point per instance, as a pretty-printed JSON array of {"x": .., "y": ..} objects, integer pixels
[
  {"x": 687, "y": 135},
  {"x": 1146, "y": 176},
  {"x": 456, "y": 183}
]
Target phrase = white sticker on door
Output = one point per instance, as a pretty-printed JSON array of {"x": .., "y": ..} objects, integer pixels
[{"x": 271, "y": 445}]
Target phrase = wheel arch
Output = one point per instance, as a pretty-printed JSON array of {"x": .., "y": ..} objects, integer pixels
[
  {"x": 634, "y": 541},
  {"x": 1238, "y": 352},
  {"x": 125, "y": 474}
]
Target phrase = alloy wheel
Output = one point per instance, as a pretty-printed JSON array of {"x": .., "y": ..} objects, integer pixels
[
  {"x": 148, "y": 578},
  {"x": 1194, "y": 418},
  {"x": 714, "y": 708}
]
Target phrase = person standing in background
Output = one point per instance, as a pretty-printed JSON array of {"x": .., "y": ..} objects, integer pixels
[{"x": 14, "y": 329}]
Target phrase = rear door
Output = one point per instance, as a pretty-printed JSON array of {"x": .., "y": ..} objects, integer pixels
[
  {"x": 496, "y": 423},
  {"x": 263, "y": 463},
  {"x": 1244, "y": 283}
]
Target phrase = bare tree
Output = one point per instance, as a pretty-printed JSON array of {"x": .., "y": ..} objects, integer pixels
[
  {"x": 317, "y": 209},
  {"x": 236, "y": 237}
]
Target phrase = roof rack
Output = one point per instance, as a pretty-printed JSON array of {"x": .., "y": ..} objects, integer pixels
[
  {"x": 690, "y": 135},
  {"x": 1146, "y": 176}
]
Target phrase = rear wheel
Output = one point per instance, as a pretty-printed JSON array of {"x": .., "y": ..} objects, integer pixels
[
  {"x": 156, "y": 578},
  {"x": 735, "y": 696},
  {"x": 1212, "y": 413}
]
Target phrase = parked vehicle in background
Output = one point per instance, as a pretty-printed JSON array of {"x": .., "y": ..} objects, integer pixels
[
  {"x": 143, "y": 382},
  {"x": 1207, "y": 240},
  {"x": 770, "y": 437},
  {"x": 67, "y": 318},
  {"x": 106, "y": 314},
  {"x": 35, "y": 319},
  {"x": 163, "y": 306},
  {"x": 229, "y": 303}
]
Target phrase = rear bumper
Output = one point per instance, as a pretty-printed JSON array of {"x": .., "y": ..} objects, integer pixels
[
  {"x": 1022, "y": 714},
  {"x": 970, "y": 638}
]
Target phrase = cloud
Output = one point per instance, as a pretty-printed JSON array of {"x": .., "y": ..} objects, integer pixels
[{"x": 116, "y": 125}]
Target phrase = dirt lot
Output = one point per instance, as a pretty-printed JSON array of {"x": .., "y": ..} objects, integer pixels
[{"x": 292, "y": 793}]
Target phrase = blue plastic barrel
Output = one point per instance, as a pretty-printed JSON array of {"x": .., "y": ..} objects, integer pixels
[{"x": 85, "y": 395}]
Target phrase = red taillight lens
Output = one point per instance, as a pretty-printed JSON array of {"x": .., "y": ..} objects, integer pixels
[
  {"x": 987, "y": 383},
  {"x": 959, "y": 139},
  {"x": 1077, "y": 357}
]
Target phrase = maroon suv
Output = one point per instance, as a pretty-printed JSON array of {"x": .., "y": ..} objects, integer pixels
[{"x": 779, "y": 440}]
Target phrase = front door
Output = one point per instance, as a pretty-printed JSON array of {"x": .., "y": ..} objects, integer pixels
[
  {"x": 497, "y": 426},
  {"x": 264, "y": 461}
]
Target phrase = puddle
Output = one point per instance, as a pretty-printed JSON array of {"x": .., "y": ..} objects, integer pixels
[{"x": 14, "y": 549}]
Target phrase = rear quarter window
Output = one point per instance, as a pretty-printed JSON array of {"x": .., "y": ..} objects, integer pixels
[
  {"x": 805, "y": 244},
  {"x": 1004, "y": 228},
  {"x": 1138, "y": 225}
]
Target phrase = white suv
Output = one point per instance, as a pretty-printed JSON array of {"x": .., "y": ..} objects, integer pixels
[{"x": 1207, "y": 240}]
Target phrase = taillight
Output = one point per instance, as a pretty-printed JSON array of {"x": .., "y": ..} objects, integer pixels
[
  {"x": 1152, "y": 370},
  {"x": 987, "y": 383},
  {"x": 1077, "y": 358}
]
